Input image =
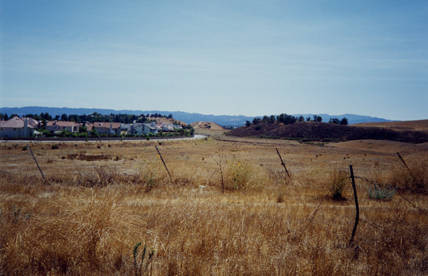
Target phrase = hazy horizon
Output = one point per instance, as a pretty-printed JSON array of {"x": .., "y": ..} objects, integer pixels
[
  {"x": 249, "y": 58},
  {"x": 214, "y": 114}
]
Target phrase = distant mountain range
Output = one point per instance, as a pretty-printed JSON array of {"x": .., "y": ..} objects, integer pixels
[{"x": 223, "y": 120}]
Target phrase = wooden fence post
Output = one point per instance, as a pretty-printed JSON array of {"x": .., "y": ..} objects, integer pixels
[
  {"x": 402, "y": 161},
  {"x": 222, "y": 178},
  {"x": 357, "y": 215},
  {"x": 164, "y": 164},
  {"x": 37, "y": 163},
  {"x": 282, "y": 162}
]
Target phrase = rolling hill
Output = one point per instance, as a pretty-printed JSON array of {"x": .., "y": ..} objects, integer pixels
[
  {"x": 207, "y": 125},
  {"x": 223, "y": 120},
  {"x": 312, "y": 131}
]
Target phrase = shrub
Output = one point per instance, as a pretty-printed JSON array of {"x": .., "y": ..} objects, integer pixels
[
  {"x": 148, "y": 178},
  {"x": 381, "y": 193},
  {"x": 337, "y": 182},
  {"x": 237, "y": 175}
]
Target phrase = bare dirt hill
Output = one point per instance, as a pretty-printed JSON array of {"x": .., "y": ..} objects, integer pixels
[
  {"x": 207, "y": 125},
  {"x": 419, "y": 125}
]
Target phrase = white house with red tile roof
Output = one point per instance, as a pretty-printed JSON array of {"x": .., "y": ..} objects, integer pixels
[{"x": 18, "y": 127}]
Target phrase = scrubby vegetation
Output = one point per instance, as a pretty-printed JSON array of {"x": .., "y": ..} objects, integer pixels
[
  {"x": 413, "y": 179},
  {"x": 381, "y": 193},
  {"x": 336, "y": 183},
  {"x": 100, "y": 216}
]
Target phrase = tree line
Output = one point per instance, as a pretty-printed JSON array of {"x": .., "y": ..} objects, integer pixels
[
  {"x": 290, "y": 119},
  {"x": 94, "y": 117}
]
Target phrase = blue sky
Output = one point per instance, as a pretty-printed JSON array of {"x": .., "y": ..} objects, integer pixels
[{"x": 218, "y": 57}]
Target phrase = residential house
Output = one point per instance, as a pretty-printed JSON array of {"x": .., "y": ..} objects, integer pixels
[
  {"x": 137, "y": 129},
  {"x": 177, "y": 127},
  {"x": 151, "y": 128},
  {"x": 88, "y": 126},
  {"x": 144, "y": 129},
  {"x": 125, "y": 129},
  {"x": 167, "y": 127},
  {"x": 62, "y": 126},
  {"x": 107, "y": 128},
  {"x": 18, "y": 127}
]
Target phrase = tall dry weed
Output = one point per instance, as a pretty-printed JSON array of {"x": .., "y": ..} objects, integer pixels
[
  {"x": 336, "y": 183},
  {"x": 395, "y": 243},
  {"x": 65, "y": 236},
  {"x": 237, "y": 175},
  {"x": 413, "y": 180}
]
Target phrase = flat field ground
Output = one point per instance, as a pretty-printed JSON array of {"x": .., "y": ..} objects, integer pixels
[{"x": 102, "y": 198}]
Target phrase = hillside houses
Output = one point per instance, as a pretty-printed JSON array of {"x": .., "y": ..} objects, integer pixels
[{"x": 18, "y": 127}]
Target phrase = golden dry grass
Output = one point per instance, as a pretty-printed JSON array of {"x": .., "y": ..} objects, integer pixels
[
  {"x": 418, "y": 125},
  {"x": 92, "y": 212}
]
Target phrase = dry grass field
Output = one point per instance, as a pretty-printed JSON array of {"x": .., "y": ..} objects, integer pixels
[
  {"x": 103, "y": 198},
  {"x": 418, "y": 125}
]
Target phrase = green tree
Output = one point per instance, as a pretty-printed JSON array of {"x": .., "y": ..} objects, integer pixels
[
  {"x": 317, "y": 118},
  {"x": 44, "y": 123},
  {"x": 334, "y": 121}
]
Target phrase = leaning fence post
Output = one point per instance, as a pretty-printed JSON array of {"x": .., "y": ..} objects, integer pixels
[
  {"x": 222, "y": 178},
  {"x": 402, "y": 161},
  {"x": 37, "y": 163},
  {"x": 164, "y": 164},
  {"x": 357, "y": 215},
  {"x": 282, "y": 162}
]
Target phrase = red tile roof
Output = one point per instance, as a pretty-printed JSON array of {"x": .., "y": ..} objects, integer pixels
[
  {"x": 62, "y": 124},
  {"x": 106, "y": 125}
]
